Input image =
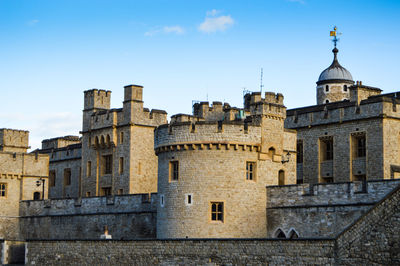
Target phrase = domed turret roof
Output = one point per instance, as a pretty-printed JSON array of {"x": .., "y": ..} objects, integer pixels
[{"x": 335, "y": 72}]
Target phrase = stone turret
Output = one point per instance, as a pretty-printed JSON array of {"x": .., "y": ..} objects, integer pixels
[
  {"x": 334, "y": 82},
  {"x": 213, "y": 168}
]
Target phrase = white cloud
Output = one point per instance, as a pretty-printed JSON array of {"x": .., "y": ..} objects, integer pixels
[
  {"x": 214, "y": 24},
  {"x": 178, "y": 30},
  {"x": 33, "y": 22},
  {"x": 43, "y": 125},
  {"x": 213, "y": 13}
]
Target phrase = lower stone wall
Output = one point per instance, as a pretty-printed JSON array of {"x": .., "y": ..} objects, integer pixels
[
  {"x": 182, "y": 252},
  {"x": 121, "y": 226},
  {"x": 322, "y": 210},
  {"x": 126, "y": 216},
  {"x": 374, "y": 239}
]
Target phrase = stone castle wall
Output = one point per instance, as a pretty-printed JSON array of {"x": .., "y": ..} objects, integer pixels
[
  {"x": 127, "y": 217},
  {"x": 376, "y": 118},
  {"x": 126, "y": 134},
  {"x": 321, "y": 210},
  {"x": 183, "y": 252},
  {"x": 371, "y": 240},
  {"x": 19, "y": 173}
]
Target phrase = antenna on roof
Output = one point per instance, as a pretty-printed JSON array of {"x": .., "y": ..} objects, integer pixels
[{"x": 261, "y": 81}]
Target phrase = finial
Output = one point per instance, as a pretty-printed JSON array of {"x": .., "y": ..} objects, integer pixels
[{"x": 334, "y": 34}]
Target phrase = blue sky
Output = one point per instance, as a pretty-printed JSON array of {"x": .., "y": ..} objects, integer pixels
[{"x": 51, "y": 51}]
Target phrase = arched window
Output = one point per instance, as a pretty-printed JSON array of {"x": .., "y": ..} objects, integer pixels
[
  {"x": 102, "y": 141},
  {"x": 271, "y": 152},
  {"x": 345, "y": 88},
  {"x": 327, "y": 88},
  {"x": 280, "y": 234},
  {"x": 36, "y": 196},
  {"x": 281, "y": 178},
  {"x": 293, "y": 234},
  {"x": 108, "y": 140},
  {"x": 326, "y": 101}
]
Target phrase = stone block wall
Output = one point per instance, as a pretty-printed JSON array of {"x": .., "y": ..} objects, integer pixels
[
  {"x": 127, "y": 217},
  {"x": 321, "y": 210},
  {"x": 374, "y": 239},
  {"x": 182, "y": 252}
]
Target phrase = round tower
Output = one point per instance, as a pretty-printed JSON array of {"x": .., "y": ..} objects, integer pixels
[
  {"x": 212, "y": 175},
  {"x": 208, "y": 184},
  {"x": 334, "y": 82}
]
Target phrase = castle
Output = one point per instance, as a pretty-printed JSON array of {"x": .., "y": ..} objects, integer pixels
[{"x": 257, "y": 183}]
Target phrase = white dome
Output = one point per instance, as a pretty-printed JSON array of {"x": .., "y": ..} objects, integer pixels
[{"x": 335, "y": 72}]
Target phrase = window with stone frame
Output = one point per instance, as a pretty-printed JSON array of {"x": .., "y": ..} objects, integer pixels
[
  {"x": 89, "y": 169},
  {"x": 251, "y": 171},
  {"x": 107, "y": 164},
  {"x": 3, "y": 190},
  {"x": 67, "y": 176},
  {"x": 326, "y": 146},
  {"x": 217, "y": 211},
  {"x": 106, "y": 191},
  {"x": 121, "y": 165},
  {"x": 359, "y": 144},
  {"x": 173, "y": 170},
  {"x": 52, "y": 178},
  {"x": 299, "y": 149}
]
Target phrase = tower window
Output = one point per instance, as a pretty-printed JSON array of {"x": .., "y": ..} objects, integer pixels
[
  {"x": 52, "y": 178},
  {"x": 327, "y": 149},
  {"x": 173, "y": 171},
  {"x": 3, "y": 190},
  {"x": 250, "y": 171},
  {"x": 121, "y": 165},
  {"x": 281, "y": 178},
  {"x": 89, "y": 169},
  {"x": 345, "y": 88},
  {"x": 67, "y": 176},
  {"x": 217, "y": 211},
  {"x": 36, "y": 196},
  {"x": 107, "y": 164},
  {"x": 326, "y": 101},
  {"x": 327, "y": 88},
  {"x": 189, "y": 199},
  {"x": 299, "y": 151},
  {"x": 359, "y": 145}
]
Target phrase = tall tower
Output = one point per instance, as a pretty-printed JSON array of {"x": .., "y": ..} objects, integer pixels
[{"x": 334, "y": 82}]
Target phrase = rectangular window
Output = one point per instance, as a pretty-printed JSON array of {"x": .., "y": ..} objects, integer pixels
[
  {"x": 89, "y": 169},
  {"x": 52, "y": 178},
  {"x": 121, "y": 137},
  {"x": 250, "y": 171},
  {"x": 3, "y": 190},
  {"x": 106, "y": 191},
  {"x": 67, "y": 176},
  {"x": 188, "y": 199},
  {"x": 174, "y": 170},
  {"x": 88, "y": 194},
  {"x": 300, "y": 152},
  {"x": 107, "y": 164},
  {"x": 217, "y": 211},
  {"x": 120, "y": 191},
  {"x": 121, "y": 165},
  {"x": 327, "y": 149},
  {"x": 361, "y": 146}
]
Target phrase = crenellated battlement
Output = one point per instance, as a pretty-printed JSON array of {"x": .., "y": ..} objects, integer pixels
[
  {"x": 338, "y": 112},
  {"x": 13, "y": 140},
  {"x": 216, "y": 112},
  {"x": 227, "y": 134},
  {"x": 97, "y": 99}
]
